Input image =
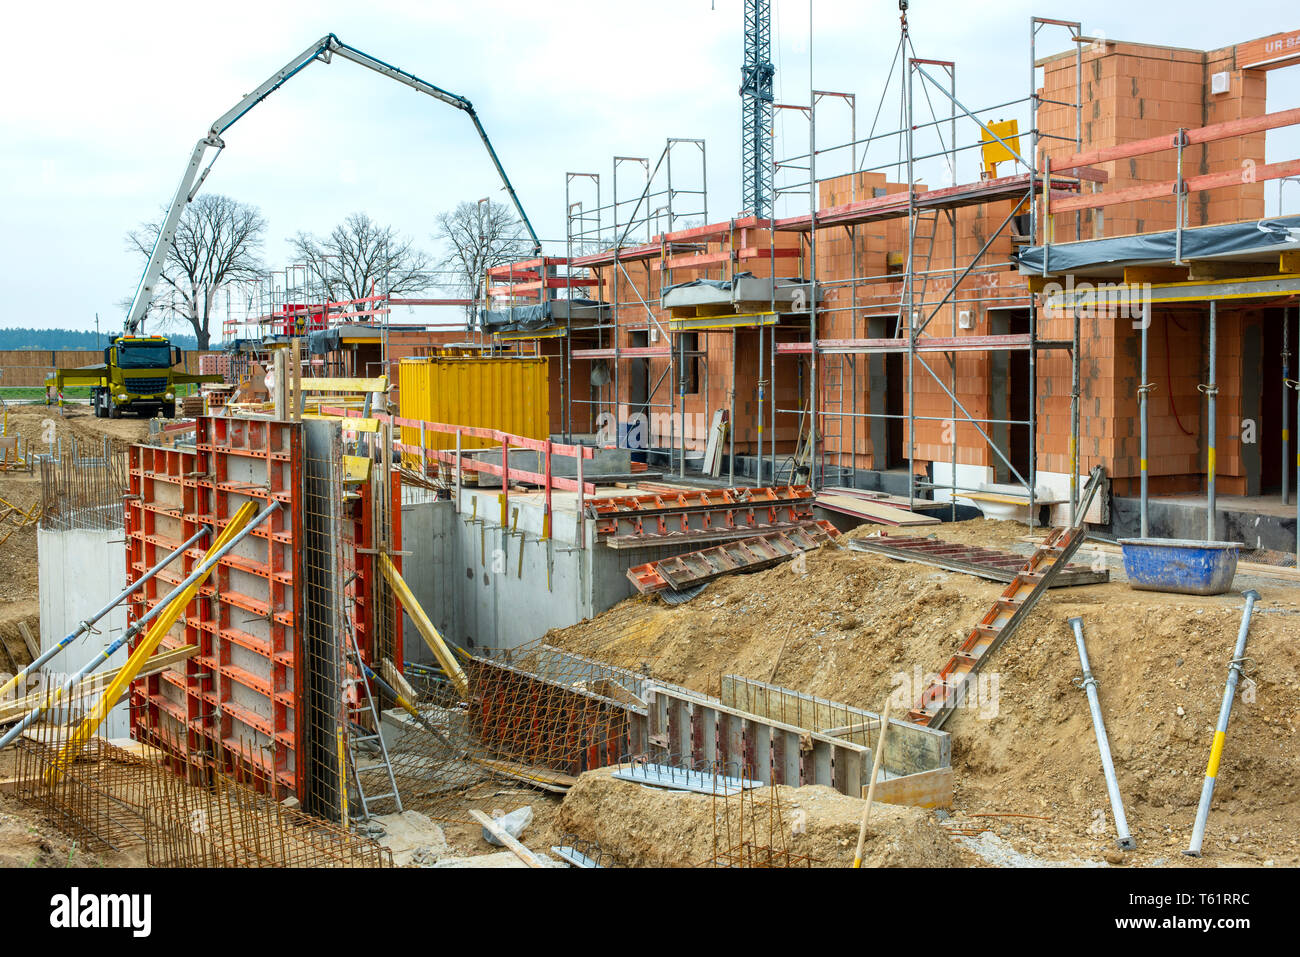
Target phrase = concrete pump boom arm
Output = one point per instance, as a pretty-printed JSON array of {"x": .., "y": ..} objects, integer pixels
[{"x": 192, "y": 180}]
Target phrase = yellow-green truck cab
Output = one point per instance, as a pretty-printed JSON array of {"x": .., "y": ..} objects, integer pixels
[{"x": 137, "y": 375}]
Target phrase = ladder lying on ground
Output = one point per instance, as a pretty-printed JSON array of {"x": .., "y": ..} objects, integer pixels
[
  {"x": 358, "y": 735},
  {"x": 947, "y": 690}
]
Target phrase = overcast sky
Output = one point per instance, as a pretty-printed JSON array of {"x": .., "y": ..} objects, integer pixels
[{"x": 104, "y": 101}]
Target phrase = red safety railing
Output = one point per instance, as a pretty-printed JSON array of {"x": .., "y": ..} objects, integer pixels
[
  {"x": 1176, "y": 141},
  {"x": 507, "y": 440}
]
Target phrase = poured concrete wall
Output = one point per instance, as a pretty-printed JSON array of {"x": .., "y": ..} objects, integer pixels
[
  {"x": 80, "y": 572},
  {"x": 470, "y": 580}
]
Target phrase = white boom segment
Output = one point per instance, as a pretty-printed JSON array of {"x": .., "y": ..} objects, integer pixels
[{"x": 192, "y": 180}]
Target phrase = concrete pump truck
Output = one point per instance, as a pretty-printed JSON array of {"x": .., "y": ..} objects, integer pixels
[{"x": 137, "y": 374}]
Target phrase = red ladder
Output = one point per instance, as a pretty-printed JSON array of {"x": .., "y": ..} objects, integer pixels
[{"x": 946, "y": 691}]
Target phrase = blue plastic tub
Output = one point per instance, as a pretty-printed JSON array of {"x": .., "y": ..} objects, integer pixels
[{"x": 1178, "y": 565}]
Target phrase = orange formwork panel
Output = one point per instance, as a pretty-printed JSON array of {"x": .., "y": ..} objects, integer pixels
[{"x": 245, "y": 700}]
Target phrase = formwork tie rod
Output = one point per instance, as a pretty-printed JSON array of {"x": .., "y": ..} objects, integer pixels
[
  {"x": 89, "y": 622},
  {"x": 1089, "y": 684},
  {"x": 1221, "y": 728},
  {"x": 191, "y": 580}
]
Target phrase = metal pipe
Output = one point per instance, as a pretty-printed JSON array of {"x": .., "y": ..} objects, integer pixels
[
  {"x": 1143, "y": 389},
  {"x": 758, "y": 466},
  {"x": 1089, "y": 684},
  {"x": 731, "y": 419},
  {"x": 1221, "y": 728},
  {"x": 1211, "y": 391},
  {"x": 198, "y": 574},
  {"x": 1074, "y": 420},
  {"x": 85, "y": 625},
  {"x": 1286, "y": 409},
  {"x": 814, "y": 398},
  {"x": 681, "y": 378},
  {"x": 906, "y": 307}
]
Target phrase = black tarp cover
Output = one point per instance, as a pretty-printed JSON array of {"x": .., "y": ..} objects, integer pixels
[{"x": 1202, "y": 242}]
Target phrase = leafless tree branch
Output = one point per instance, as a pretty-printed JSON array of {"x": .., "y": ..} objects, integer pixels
[
  {"x": 360, "y": 258},
  {"x": 477, "y": 236},
  {"x": 218, "y": 241}
]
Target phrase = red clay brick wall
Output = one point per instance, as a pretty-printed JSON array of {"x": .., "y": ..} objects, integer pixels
[{"x": 1135, "y": 91}]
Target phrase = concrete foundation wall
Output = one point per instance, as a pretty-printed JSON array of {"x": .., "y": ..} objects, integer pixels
[
  {"x": 478, "y": 593},
  {"x": 80, "y": 572}
]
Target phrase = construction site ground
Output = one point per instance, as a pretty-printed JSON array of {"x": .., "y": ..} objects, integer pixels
[{"x": 849, "y": 626}]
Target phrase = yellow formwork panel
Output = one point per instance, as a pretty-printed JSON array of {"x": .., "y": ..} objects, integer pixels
[{"x": 511, "y": 394}]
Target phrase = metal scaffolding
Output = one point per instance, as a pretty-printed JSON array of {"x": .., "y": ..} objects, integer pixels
[{"x": 927, "y": 288}]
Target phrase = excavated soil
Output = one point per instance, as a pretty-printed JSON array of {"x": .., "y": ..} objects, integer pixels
[
  {"x": 852, "y": 627},
  {"x": 652, "y": 827}
]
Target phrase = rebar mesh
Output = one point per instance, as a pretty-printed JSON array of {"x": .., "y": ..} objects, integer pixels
[
  {"x": 752, "y": 828},
  {"x": 99, "y": 797},
  {"x": 323, "y": 651},
  {"x": 109, "y": 798},
  {"x": 534, "y": 714},
  {"x": 235, "y": 823},
  {"x": 82, "y": 487}
]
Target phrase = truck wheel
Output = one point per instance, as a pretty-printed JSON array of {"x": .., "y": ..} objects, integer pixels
[
  {"x": 97, "y": 403},
  {"x": 114, "y": 410},
  {"x": 169, "y": 410}
]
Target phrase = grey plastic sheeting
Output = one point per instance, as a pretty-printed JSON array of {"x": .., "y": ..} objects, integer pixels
[
  {"x": 1203, "y": 242},
  {"x": 528, "y": 317},
  {"x": 324, "y": 341}
]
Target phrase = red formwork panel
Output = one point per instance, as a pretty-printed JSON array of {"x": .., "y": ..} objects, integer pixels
[{"x": 238, "y": 701}]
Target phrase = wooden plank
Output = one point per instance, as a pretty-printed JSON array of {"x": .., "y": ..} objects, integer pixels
[
  {"x": 926, "y": 789},
  {"x": 873, "y": 511},
  {"x": 1270, "y": 52},
  {"x": 378, "y": 384},
  {"x": 33, "y": 648},
  {"x": 13, "y": 710},
  {"x": 1204, "y": 134},
  {"x": 521, "y": 852},
  {"x": 1192, "y": 184},
  {"x": 425, "y": 627}
]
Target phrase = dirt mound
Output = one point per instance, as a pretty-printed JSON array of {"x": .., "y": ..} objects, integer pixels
[
  {"x": 34, "y": 422},
  {"x": 848, "y": 623},
  {"x": 654, "y": 827},
  {"x": 852, "y": 626}
]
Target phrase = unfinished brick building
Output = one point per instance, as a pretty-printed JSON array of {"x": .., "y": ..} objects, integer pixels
[{"x": 1066, "y": 257}]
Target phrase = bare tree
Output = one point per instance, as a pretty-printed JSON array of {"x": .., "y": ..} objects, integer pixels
[
  {"x": 360, "y": 258},
  {"x": 477, "y": 236},
  {"x": 217, "y": 241}
]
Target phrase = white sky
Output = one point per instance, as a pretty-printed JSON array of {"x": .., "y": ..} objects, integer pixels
[{"x": 103, "y": 103}]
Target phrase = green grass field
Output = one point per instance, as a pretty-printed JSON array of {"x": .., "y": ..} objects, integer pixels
[{"x": 80, "y": 393}]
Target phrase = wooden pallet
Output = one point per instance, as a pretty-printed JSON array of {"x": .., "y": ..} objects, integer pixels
[
  {"x": 872, "y": 511},
  {"x": 743, "y": 555}
]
